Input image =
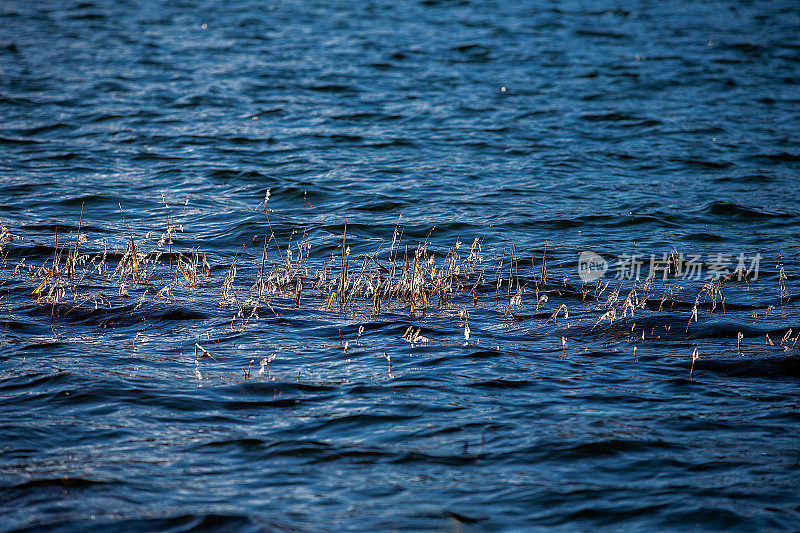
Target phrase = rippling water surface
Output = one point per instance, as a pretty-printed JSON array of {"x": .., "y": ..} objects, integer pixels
[{"x": 543, "y": 129}]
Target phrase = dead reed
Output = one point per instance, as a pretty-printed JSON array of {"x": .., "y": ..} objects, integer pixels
[{"x": 414, "y": 279}]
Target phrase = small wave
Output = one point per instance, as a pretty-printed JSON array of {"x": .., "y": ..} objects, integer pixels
[
  {"x": 738, "y": 211},
  {"x": 782, "y": 157}
]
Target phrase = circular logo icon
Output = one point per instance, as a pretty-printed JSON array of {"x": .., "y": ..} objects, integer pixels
[{"x": 591, "y": 266}]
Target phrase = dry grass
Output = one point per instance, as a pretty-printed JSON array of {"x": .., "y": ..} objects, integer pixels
[{"x": 414, "y": 279}]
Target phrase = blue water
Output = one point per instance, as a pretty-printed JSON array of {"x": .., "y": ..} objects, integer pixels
[{"x": 544, "y": 129}]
